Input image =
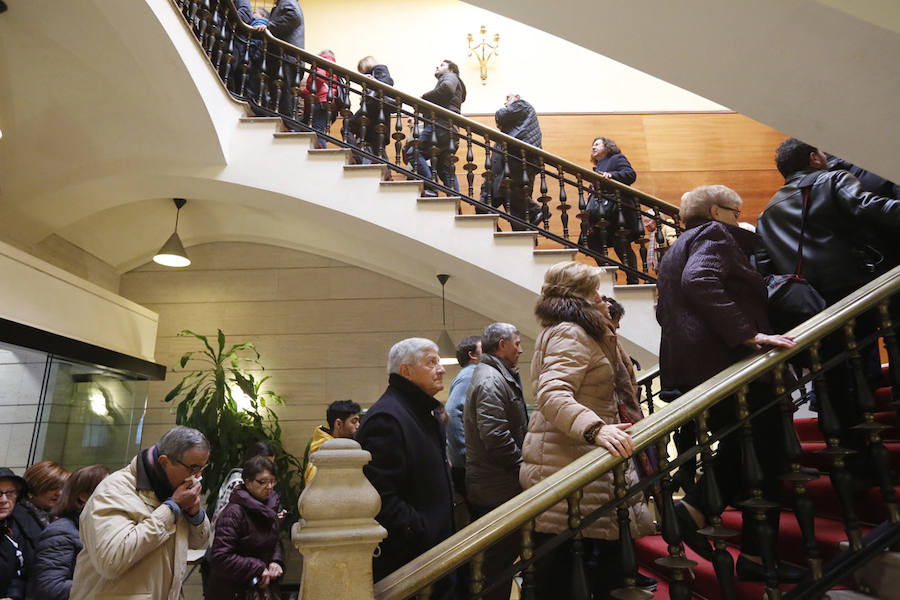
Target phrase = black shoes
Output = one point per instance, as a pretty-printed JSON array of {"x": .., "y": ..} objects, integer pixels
[
  {"x": 748, "y": 570},
  {"x": 646, "y": 583},
  {"x": 695, "y": 541}
]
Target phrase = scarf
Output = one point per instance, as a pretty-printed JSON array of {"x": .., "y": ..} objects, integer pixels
[
  {"x": 155, "y": 473},
  {"x": 653, "y": 253}
]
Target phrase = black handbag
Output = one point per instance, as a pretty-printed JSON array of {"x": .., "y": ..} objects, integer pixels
[{"x": 792, "y": 299}]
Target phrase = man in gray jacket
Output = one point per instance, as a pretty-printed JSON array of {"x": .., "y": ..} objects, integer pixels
[{"x": 496, "y": 421}]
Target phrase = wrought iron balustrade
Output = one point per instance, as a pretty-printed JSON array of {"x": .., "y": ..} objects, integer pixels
[{"x": 269, "y": 74}]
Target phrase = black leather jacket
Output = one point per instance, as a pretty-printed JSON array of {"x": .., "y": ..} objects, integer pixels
[{"x": 840, "y": 219}]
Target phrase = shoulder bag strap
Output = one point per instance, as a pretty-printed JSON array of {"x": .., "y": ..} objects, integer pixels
[{"x": 805, "y": 185}]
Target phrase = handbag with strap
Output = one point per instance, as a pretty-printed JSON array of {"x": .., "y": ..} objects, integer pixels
[{"x": 793, "y": 299}]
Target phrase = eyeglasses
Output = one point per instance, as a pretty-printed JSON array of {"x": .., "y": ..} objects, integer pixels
[
  {"x": 736, "y": 211},
  {"x": 192, "y": 468},
  {"x": 12, "y": 494},
  {"x": 266, "y": 482}
]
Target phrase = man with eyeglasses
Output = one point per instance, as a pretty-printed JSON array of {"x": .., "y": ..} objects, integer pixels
[
  {"x": 140, "y": 522},
  {"x": 13, "y": 562}
]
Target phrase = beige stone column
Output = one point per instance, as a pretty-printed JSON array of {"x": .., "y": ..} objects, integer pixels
[{"x": 338, "y": 533}]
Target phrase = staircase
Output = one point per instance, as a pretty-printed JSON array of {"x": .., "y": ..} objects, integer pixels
[{"x": 829, "y": 527}]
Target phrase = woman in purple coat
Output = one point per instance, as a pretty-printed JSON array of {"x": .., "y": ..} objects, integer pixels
[{"x": 246, "y": 553}]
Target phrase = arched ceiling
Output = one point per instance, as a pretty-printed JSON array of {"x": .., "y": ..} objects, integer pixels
[{"x": 822, "y": 70}]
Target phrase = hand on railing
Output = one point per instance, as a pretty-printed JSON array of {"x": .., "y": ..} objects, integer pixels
[
  {"x": 615, "y": 439},
  {"x": 758, "y": 341}
]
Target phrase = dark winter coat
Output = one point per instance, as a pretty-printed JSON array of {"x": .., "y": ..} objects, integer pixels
[
  {"x": 11, "y": 585},
  {"x": 628, "y": 216},
  {"x": 410, "y": 471},
  {"x": 54, "y": 563},
  {"x": 520, "y": 121},
  {"x": 286, "y": 23},
  {"x": 382, "y": 74},
  {"x": 449, "y": 92},
  {"x": 840, "y": 217},
  {"x": 246, "y": 541},
  {"x": 496, "y": 421},
  {"x": 710, "y": 300},
  {"x": 30, "y": 522}
]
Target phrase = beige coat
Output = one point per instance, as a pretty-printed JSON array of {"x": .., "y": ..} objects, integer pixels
[
  {"x": 574, "y": 385},
  {"x": 133, "y": 548}
]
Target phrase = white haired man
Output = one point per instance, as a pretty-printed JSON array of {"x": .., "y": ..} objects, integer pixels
[
  {"x": 409, "y": 468},
  {"x": 140, "y": 521}
]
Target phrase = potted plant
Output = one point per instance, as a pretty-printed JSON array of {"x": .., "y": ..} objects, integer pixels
[{"x": 224, "y": 400}]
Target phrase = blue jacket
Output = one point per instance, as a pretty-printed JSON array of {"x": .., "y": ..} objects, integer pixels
[
  {"x": 54, "y": 563},
  {"x": 456, "y": 403}
]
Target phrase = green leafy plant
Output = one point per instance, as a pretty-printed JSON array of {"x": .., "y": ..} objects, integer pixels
[{"x": 207, "y": 400}]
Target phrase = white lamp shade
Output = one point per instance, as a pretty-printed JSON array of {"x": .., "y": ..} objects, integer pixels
[{"x": 172, "y": 254}]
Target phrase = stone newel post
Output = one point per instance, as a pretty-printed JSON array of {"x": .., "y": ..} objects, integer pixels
[{"x": 337, "y": 533}]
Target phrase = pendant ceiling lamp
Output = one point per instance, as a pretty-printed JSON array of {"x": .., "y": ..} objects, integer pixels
[
  {"x": 172, "y": 254},
  {"x": 446, "y": 347}
]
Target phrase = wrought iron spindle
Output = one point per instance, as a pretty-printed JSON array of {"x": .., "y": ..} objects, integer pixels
[
  {"x": 841, "y": 480},
  {"x": 580, "y": 587},
  {"x": 627, "y": 556},
  {"x": 563, "y": 204},
  {"x": 488, "y": 172},
  {"x": 889, "y": 334},
  {"x": 528, "y": 554},
  {"x": 435, "y": 151},
  {"x": 470, "y": 167},
  {"x": 804, "y": 509},
  {"x": 398, "y": 133},
  {"x": 329, "y": 100},
  {"x": 544, "y": 198},
  {"x": 380, "y": 127},
  {"x": 648, "y": 391},
  {"x": 506, "y": 182},
  {"x": 244, "y": 66},
  {"x": 878, "y": 454},
  {"x": 525, "y": 185},
  {"x": 263, "y": 72},
  {"x": 280, "y": 87},
  {"x": 415, "y": 142},
  {"x": 712, "y": 499},
  {"x": 753, "y": 477},
  {"x": 680, "y": 566},
  {"x": 476, "y": 584},
  {"x": 582, "y": 214},
  {"x": 363, "y": 118}
]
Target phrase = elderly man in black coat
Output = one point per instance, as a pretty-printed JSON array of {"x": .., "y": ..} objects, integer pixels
[
  {"x": 406, "y": 437},
  {"x": 516, "y": 118}
]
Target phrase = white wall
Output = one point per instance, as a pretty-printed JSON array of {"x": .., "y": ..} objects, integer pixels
[
  {"x": 412, "y": 36},
  {"x": 37, "y": 294}
]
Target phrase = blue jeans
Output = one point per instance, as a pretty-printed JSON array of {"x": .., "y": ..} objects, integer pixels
[
  {"x": 445, "y": 169},
  {"x": 319, "y": 120}
]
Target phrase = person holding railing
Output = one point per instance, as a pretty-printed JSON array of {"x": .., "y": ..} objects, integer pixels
[
  {"x": 712, "y": 310},
  {"x": 371, "y": 68},
  {"x": 612, "y": 223},
  {"x": 573, "y": 371},
  {"x": 286, "y": 23},
  {"x": 449, "y": 93}
]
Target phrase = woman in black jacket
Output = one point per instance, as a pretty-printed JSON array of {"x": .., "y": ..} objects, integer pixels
[
  {"x": 15, "y": 561},
  {"x": 60, "y": 542},
  {"x": 610, "y": 163}
]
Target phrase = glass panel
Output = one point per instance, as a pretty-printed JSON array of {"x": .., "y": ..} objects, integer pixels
[
  {"x": 89, "y": 415},
  {"x": 21, "y": 378}
]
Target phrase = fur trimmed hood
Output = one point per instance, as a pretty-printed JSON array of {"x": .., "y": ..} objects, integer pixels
[{"x": 552, "y": 310}]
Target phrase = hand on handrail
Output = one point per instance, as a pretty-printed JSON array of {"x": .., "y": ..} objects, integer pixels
[
  {"x": 616, "y": 440},
  {"x": 763, "y": 339}
]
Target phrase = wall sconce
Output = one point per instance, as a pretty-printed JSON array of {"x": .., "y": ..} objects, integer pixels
[
  {"x": 483, "y": 51},
  {"x": 172, "y": 254}
]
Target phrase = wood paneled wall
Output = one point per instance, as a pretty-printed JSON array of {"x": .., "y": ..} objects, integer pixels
[{"x": 673, "y": 153}]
